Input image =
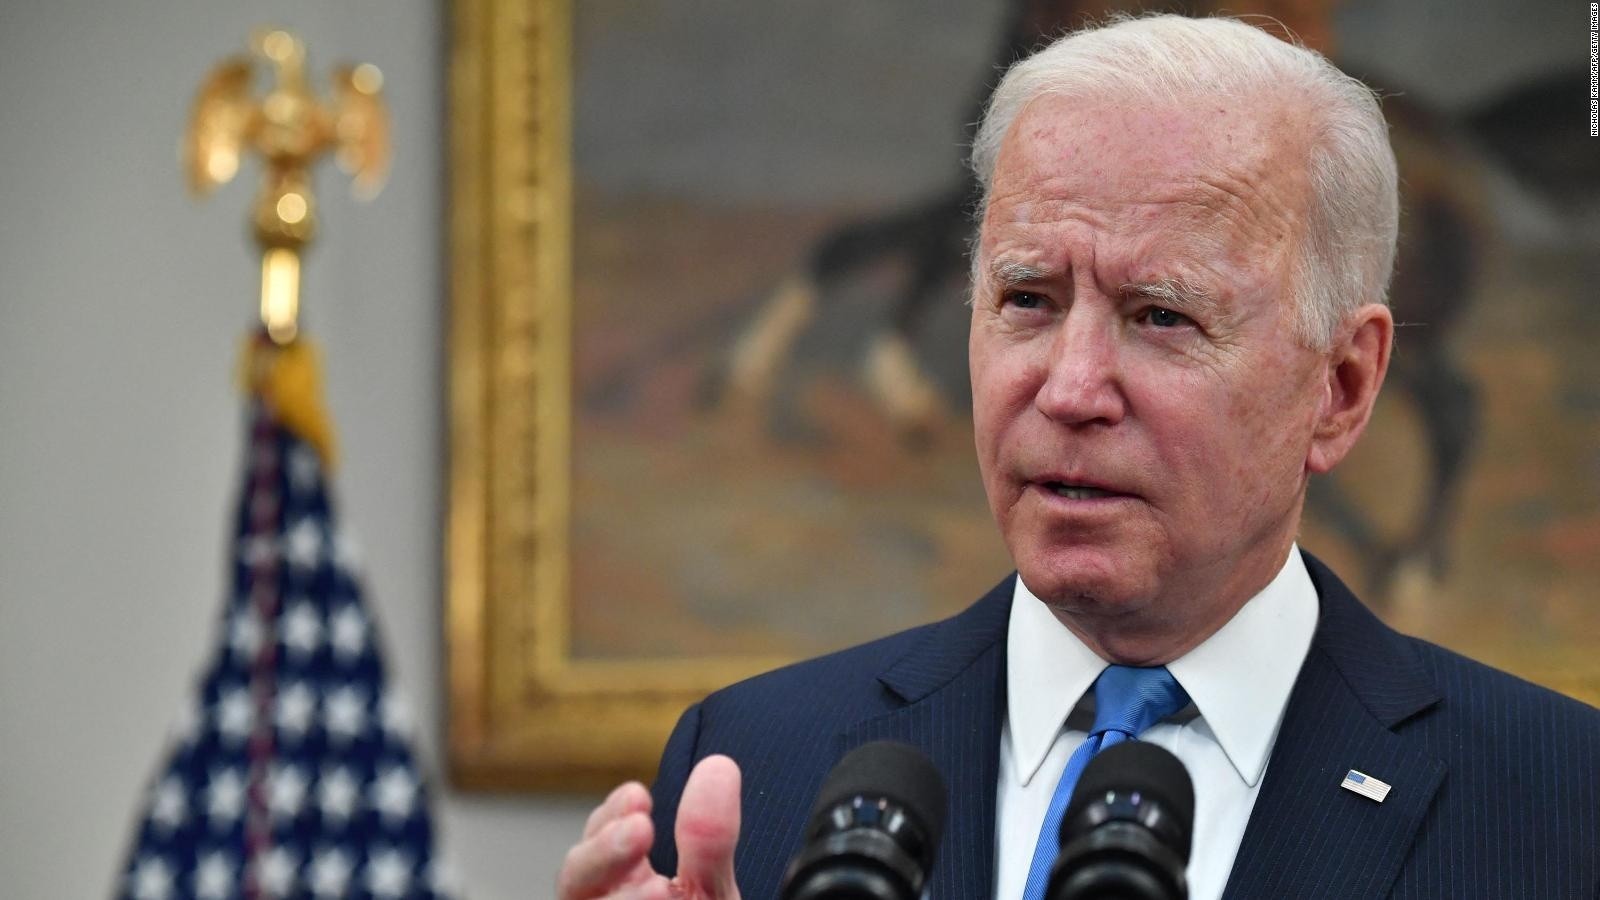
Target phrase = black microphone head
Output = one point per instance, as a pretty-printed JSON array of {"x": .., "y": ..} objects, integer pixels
[
  {"x": 1127, "y": 830},
  {"x": 874, "y": 829},
  {"x": 1137, "y": 767},
  {"x": 887, "y": 769}
]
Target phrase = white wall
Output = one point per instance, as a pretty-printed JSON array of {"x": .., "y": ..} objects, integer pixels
[{"x": 121, "y": 304}]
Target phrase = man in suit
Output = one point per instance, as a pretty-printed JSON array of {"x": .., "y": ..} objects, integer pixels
[{"x": 1177, "y": 318}]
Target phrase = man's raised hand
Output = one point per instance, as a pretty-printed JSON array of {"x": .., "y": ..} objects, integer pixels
[{"x": 612, "y": 860}]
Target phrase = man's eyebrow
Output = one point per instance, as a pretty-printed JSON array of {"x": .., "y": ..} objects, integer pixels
[
  {"x": 1010, "y": 274},
  {"x": 1174, "y": 291}
]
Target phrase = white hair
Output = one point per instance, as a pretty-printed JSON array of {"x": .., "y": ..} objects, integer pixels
[{"x": 1348, "y": 250}]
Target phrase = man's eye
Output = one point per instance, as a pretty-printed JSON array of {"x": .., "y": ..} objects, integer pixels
[
  {"x": 1022, "y": 299},
  {"x": 1164, "y": 318}
]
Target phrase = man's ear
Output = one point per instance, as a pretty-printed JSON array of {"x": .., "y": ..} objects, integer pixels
[{"x": 1355, "y": 368}]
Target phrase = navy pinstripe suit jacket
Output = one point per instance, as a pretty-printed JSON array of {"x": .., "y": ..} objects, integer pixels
[{"x": 1496, "y": 781}]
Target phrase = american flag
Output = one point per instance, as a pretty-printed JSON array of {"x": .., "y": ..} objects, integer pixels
[
  {"x": 292, "y": 775},
  {"x": 1365, "y": 785}
]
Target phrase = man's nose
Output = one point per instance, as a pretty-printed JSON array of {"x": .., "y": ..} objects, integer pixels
[{"x": 1083, "y": 380}]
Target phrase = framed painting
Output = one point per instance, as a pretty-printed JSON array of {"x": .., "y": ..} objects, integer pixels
[{"x": 708, "y": 409}]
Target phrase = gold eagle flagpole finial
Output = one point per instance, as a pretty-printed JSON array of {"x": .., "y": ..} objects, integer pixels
[{"x": 290, "y": 128}]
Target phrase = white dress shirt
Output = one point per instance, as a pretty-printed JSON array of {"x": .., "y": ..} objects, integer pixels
[{"x": 1238, "y": 681}]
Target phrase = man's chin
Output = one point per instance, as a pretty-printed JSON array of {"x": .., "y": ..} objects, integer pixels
[{"x": 1085, "y": 579}]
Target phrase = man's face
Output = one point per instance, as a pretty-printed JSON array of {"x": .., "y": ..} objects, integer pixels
[{"x": 1143, "y": 412}]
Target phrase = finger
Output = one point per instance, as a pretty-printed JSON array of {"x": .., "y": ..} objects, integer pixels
[
  {"x": 624, "y": 799},
  {"x": 613, "y": 858},
  {"x": 708, "y": 829},
  {"x": 654, "y": 888}
]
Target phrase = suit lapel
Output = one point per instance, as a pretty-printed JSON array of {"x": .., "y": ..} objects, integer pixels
[
  {"x": 1307, "y": 836},
  {"x": 953, "y": 687}
]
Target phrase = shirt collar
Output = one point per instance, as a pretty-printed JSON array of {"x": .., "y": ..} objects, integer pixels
[{"x": 1239, "y": 678}]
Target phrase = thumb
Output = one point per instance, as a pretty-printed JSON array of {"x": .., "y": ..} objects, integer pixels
[{"x": 708, "y": 828}]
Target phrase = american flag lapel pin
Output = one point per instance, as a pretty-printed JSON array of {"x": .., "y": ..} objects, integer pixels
[{"x": 1365, "y": 785}]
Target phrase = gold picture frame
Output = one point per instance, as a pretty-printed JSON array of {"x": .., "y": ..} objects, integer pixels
[{"x": 523, "y": 712}]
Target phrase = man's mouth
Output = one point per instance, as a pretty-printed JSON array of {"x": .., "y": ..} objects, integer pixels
[{"x": 1078, "y": 491}]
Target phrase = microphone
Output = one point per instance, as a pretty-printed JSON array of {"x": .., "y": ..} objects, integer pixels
[
  {"x": 1127, "y": 831},
  {"x": 874, "y": 829}
]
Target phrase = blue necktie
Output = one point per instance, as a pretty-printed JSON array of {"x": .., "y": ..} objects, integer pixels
[{"x": 1127, "y": 701}]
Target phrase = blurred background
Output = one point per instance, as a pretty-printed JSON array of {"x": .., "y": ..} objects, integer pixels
[{"x": 122, "y": 303}]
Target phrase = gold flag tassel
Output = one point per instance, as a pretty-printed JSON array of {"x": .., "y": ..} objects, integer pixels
[{"x": 287, "y": 379}]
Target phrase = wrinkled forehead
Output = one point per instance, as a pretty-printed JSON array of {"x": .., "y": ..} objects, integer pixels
[{"x": 1220, "y": 168}]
